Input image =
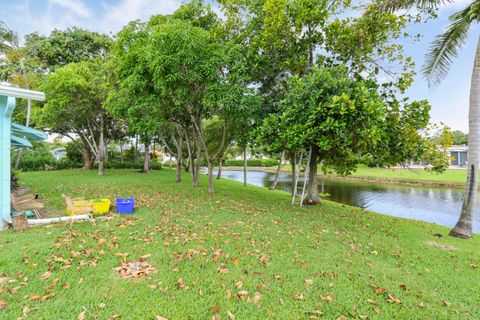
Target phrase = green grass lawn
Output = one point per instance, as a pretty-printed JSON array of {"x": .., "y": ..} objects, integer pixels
[
  {"x": 328, "y": 262},
  {"x": 449, "y": 177}
]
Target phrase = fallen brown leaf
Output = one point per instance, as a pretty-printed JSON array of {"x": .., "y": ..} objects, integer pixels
[
  {"x": 242, "y": 294},
  {"x": 46, "y": 275},
  {"x": 392, "y": 298},
  {"x": 26, "y": 310},
  {"x": 257, "y": 296},
  {"x": 82, "y": 315},
  {"x": 298, "y": 296},
  {"x": 3, "y": 304}
]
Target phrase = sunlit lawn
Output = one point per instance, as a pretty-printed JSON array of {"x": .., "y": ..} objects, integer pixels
[{"x": 242, "y": 253}]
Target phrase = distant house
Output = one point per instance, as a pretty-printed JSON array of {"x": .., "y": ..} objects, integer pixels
[
  {"x": 458, "y": 155},
  {"x": 59, "y": 153}
]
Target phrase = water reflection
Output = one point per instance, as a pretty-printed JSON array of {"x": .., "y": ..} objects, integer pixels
[{"x": 438, "y": 205}]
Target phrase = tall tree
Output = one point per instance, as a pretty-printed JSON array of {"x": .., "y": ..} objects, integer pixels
[
  {"x": 345, "y": 119},
  {"x": 75, "y": 99},
  {"x": 438, "y": 60}
]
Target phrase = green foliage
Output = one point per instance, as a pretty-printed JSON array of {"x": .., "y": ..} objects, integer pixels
[
  {"x": 74, "y": 98},
  {"x": 445, "y": 46},
  {"x": 62, "y": 47},
  {"x": 459, "y": 137},
  {"x": 72, "y": 151},
  {"x": 340, "y": 115},
  {"x": 350, "y": 120},
  {"x": 37, "y": 158}
]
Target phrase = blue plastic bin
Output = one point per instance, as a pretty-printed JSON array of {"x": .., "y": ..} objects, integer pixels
[{"x": 125, "y": 206}]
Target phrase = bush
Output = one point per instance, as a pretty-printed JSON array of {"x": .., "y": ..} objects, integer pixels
[
  {"x": 115, "y": 164},
  {"x": 72, "y": 151},
  {"x": 66, "y": 163},
  {"x": 252, "y": 163},
  {"x": 35, "y": 159}
]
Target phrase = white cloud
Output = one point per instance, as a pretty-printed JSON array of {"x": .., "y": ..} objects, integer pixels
[{"x": 76, "y": 7}]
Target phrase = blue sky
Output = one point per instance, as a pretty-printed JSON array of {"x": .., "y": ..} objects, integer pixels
[{"x": 449, "y": 100}]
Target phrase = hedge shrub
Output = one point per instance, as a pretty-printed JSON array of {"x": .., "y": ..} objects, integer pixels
[{"x": 252, "y": 163}]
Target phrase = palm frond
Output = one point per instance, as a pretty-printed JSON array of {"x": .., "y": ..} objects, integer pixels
[
  {"x": 394, "y": 5},
  {"x": 8, "y": 38},
  {"x": 445, "y": 46}
]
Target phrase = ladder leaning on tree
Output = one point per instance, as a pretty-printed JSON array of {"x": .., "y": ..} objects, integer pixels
[{"x": 297, "y": 188}]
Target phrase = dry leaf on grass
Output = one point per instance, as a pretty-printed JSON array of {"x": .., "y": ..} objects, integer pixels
[
  {"x": 243, "y": 294},
  {"x": 257, "y": 296},
  {"x": 138, "y": 269},
  {"x": 46, "y": 275},
  {"x": 82, "y": 315},
  {"x": 3, "y": 304}
]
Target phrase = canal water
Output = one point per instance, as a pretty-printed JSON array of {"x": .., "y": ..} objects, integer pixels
[{"x": 431, "y": 204}]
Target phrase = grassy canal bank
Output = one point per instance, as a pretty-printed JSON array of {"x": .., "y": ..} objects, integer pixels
[{"x": 242, "y": 253}]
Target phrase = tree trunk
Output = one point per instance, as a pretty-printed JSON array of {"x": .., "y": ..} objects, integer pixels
[
  {"x": 87, "y": 159},
  {"x": 245, "y": 166},
  {"x": 312, "y": 196},
  {"x": 219, "y": 173},
  {"x": 170, "y": 161},
  {"x": 121, "y": 151},
  {"x": 197, "y": 164},
  {"x": 178, "y": 177},
  {"x": 277, "y": 175},
  {"x": 191, "y": 160},
  {"x": 146, "y": 159},
  {"x": 464, "y": 226},
  {"x": 293, "y": 163},
  {"x": 135, "y": 154},
  {"x": 101, "y": 151},
  {"x": 101, "y": 167},
  {"x": 210, "y": 176}
]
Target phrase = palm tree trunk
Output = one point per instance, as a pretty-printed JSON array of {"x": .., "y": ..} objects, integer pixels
[{"x": 464, "y": 226}]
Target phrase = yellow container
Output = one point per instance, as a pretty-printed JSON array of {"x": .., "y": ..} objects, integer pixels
[{"x": 101, "y": 206}]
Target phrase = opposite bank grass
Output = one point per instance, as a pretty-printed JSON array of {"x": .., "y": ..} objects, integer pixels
[{"x": 242, "y": 253}]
